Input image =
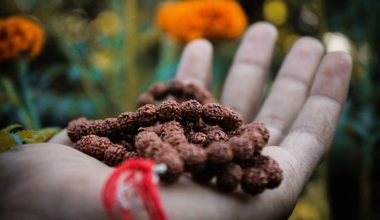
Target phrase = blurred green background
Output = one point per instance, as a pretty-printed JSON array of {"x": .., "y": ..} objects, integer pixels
[{"x": 99, "y": 55}]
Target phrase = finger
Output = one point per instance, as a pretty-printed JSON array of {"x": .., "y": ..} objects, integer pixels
[
  {"x": 290, "y": 88},
  {"x": 244, "y": 84},
  {"x": 195, "y": 65},
  {"x": 311, "y": 134}
]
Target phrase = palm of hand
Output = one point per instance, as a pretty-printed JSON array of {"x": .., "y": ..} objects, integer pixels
[{"x": 301, "y": 113}]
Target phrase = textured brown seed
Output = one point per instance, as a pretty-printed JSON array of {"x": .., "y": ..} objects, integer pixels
[
  {"x": 193, "y": 156},
  {"x": 198, "y": 138},
  {"x": 231, "y": 120},
  {"x": 158, "y": 90},
  {"x": 212, "y": 113},
  {"x": 145, "y": 99},
  {"x": 114, "y": 155},
  {"x": 171, "y": 128},
  {"x": 191, "y": 110},
  {"x": 219, "y": 153},
  {"x": 93, "y": 146},
  {"x": 230, "y": 177},
  {"x": 272, "y": 169},
  {"x": 217, "y": 135},
  {"x": 242, "y": 148},
  {"x": 146, "y": 115},
  {"x": 175, "y": 87},
  {"x": 78, "y": 128},
  {"x": 254, "y": 181},
  {"x": 169, "y": 110},
  {"x": 127, "y": 122},
  {"x": 258, "y": 134}
]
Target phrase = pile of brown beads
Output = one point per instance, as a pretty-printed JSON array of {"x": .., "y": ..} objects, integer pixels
[
  {"x": 206, "y": 140},
  {"x": 178, "y": 90}
]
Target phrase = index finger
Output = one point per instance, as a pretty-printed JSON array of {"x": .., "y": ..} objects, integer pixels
[{"x": 195, "y": 64}]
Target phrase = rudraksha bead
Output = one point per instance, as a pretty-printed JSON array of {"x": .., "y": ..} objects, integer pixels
[
  {"x": 242, "y": 148},
  {"x": 212, "y": 113},
  {"x": 175, "y": 87},
  {"x": 171, "y": 159},
  {"x": 254, "y": 180},
  {"x": 191, "y": 110},
  {"x": 169, "y": 110},
  {"x": 78, "y": 128},
  {"x": 219, "y": 153},
  {"x": 230, "y": 177},
  {"x": 114, "y": 155},
  {"x": 127, "y": 121},
  {"x": 198, "y": 138},
  {"x": 258, "y": 134},
  {"x": 170, "y": 128},
  {"x": 217, "y": 135},
  {"x": 231, "y": 120},
  {"x": 193, "y": 156},
  {"x": 146, "y": 115},
  {"x": 93, "y": 146},
  {"x": 145, "y": 99},
  {"x": 272, "y": 169},
  {"x": 158, "y": 90}
]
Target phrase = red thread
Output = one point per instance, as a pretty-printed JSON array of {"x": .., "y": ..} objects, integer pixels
[{"x": 137, "y": 174}]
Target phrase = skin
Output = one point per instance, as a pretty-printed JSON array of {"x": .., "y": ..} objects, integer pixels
[{"x": 54, "y": 181}]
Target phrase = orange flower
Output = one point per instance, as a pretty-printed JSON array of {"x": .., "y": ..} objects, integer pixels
[
  {"x": 18, "y": 36},
  {"x": 212, "y": 19}
]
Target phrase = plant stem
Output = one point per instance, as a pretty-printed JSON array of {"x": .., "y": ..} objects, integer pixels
[
  {"x": 132, "y": 81},
  {"x": 26, "y": 94}
]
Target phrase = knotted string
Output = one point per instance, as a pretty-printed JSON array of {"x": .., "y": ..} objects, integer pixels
[{"x": 133, "y": 180}]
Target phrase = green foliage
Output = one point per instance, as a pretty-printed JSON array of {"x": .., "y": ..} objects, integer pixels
[{"x": 14, "y": 135}]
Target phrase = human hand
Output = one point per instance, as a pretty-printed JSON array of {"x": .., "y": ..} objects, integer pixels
[{"x": 301, "y": 112}]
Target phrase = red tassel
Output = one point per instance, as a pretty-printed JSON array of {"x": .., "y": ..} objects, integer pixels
[{"x": 131, "y": 181}]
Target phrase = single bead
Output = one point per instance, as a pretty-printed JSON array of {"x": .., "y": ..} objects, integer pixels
[
  {"x": 193, "y": 156},
  {"x": 198, "y": 138},
  {"x": 169, "y": 110},
  {"x": 242, "y": 148},
  {"x": 216, "y": 135},
  {"x": 272, "y": 169},
  {"x": 191, "y": 110},
  {"x": 114, "y": 155},
  {"x": 170, "y": 128},
  {"x": 175, "y": 87},
  {"x": 158, "y": 90},
  {"x": 146, "y": 115},
  {"x": 219, "y": 153},
  {"x": 93, "y": 146},
  {"x": 230, "y": 177},
  {"x": 127, "y": 122},
  {"x": 254, "y": 181},
  {"x": 212, "y": 113},
  {"x": 78, "y": 128},
  {"x": 145, "y": 99},
  {"x": 231, "y": 119}
]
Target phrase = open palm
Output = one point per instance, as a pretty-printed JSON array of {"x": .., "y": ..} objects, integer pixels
[{"x": 53, "y": 181}]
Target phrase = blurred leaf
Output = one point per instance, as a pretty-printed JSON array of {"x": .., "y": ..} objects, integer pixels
[
  {"x": 31, "y": 136},
  {"x": 6, "y": 141},
  {"x": 9, "y": 128}
]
